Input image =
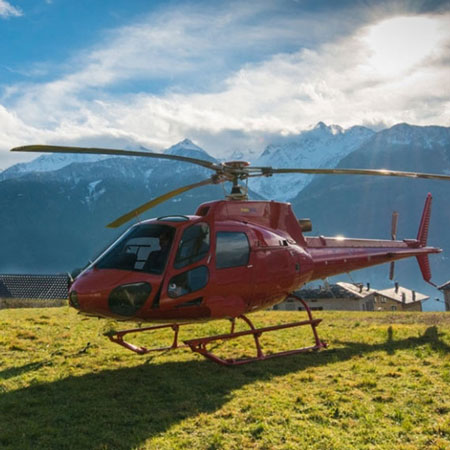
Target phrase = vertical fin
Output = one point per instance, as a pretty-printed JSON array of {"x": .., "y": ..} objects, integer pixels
[{"x": 422, "y": 235}]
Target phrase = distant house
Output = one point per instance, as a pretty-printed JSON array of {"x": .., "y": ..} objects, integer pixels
[
  {"x": 356, "y": 297},
  {"x": 340, "y": 296},
  {"x": 445, "y": 288},
  {"x": 40, "y": 287}
]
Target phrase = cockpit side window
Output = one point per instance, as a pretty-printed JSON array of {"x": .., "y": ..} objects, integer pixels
[
  {"x": 187, "y": 282},
  {"x": 144, "y": 248},
  {"x": 193, "y": 246},
  {"x": 232, "y": 249}
]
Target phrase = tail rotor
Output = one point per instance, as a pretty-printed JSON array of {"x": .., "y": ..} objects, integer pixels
[{"x": 393, "y": 237}]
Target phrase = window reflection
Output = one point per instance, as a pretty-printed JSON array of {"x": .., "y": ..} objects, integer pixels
[
  {"x": 189, "y": 281},
  {"x": 144, "y": 248},
  {"x": 232, "y": 249},
  {"x": 193, "y": 246}
]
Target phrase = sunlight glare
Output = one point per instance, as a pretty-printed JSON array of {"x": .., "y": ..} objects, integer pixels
[{"x": 398, "y": 44}]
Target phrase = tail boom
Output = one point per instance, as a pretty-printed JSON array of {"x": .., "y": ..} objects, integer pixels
[{"x": 333, "y": 256}]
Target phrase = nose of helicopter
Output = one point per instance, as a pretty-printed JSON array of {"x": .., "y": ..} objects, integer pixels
[{"x": 110, "y": 292}]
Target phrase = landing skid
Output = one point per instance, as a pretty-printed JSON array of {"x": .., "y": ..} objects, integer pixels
[
  {"x": 199, "y": 345},
  {"x": 117, "y": 338}
]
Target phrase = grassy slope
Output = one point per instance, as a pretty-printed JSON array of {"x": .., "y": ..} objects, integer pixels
[{"x": 383, "y": 383}]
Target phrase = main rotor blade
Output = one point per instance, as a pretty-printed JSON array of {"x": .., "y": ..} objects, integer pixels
[
  {"x": 110, "y": 151},
  {"x": 373, "y": 172},
  {"x": 146, "y": 206}
]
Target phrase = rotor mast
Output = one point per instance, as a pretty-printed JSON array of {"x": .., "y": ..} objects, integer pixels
[{"x": 235, "y": 171}]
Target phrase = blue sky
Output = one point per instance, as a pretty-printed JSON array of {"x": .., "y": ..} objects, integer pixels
[{"x": 228, "y": 75}]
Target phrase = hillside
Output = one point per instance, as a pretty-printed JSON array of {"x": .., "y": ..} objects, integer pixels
[{"x": 383, "y": 383}]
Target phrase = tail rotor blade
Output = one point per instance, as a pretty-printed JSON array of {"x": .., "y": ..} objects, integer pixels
[
  {"x": 391, "y": 270},
  {"x": 393, "y": 237},
  {"x": 394, "y": 225}
]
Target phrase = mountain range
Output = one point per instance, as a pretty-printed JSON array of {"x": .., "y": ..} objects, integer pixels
[
  {"x": 321, "y": 147},
  {"x": 55, "y": 208}
]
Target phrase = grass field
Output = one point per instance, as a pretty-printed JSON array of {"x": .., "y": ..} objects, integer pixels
[
  {"x": 384, "y": 383},
  {"x": 31, "y": 303}
]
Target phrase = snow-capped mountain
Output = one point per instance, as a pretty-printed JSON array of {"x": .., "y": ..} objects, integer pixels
[
  {"x": 243, "y": 155},
  {"x": 189, "y": 149},
  {"x": 426, "y": 137},
  {"x": 321, "y": 147},
  {"x": 47, "y": 163},
  {"x": 56, "y": 161}
]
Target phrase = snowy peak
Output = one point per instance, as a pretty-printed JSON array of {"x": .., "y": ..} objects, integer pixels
[
  {"x": 316, "y": 146},
  {"x": 321, "y": 127},
  {"x": 56, "y": 161},
  {"x": 322, "y": 146},
  {"x": 189, "y": 149},
  {"x": 319, "y": 136},
  {"x": 405, "y": 134},
  {"x": 48, "y": 163}
]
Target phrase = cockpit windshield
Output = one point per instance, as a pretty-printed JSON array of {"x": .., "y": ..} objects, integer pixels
[{"x": 144, "y": 248}]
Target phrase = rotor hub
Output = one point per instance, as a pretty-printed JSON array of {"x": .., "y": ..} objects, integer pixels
[{"x": 236, "y": 164}]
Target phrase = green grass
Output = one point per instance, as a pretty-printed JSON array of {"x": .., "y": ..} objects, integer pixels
[
  {"x": 30, "y": 303},
  {"x": 384, "y": 382}
]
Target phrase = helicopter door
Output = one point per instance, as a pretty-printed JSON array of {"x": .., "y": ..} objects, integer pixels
[{"x": 233, "y": 268}]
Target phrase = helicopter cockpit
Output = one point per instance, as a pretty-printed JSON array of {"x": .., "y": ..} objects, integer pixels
[{"x": 144, "y": 248}]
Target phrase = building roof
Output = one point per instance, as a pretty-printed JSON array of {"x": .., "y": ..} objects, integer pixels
[
  {"x": 445, "y": 286},
  {"x": 338, "y": 290},
  {"x": 408, "y": 295},
  {"x": 358, "y": 291},
  {"x": 34, "y": 286}
]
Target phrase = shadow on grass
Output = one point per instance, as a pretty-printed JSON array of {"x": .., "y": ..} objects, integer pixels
[
  {"x": 431, "y": 336},
  {"x": 124, "y": 407},
  {"x": 17, "y": 371}
]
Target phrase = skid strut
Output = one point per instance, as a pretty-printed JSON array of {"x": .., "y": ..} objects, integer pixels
[
  {"x": 199, "y": 345},
  {"x": 117, "y": 337}
]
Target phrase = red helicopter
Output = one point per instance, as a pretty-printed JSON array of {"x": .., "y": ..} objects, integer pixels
[{"x": 230, "y": 258}]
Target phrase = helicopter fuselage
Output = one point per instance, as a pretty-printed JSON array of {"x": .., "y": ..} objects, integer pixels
[
  {"x": 223, "y": 262},
  {"x": 230, "y": 258}
]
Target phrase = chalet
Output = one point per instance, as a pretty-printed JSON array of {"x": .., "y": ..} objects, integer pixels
[
  {"x": 357, "y": 297},
  {"x": 339, "y": 296},
  {"x": 397, "y": 299},
  {"x": 445, "y": 288}
]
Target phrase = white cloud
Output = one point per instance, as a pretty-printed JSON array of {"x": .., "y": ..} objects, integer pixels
[
  {"x": 335, "y": 82},
  {"x": 7, "y": 10}
]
